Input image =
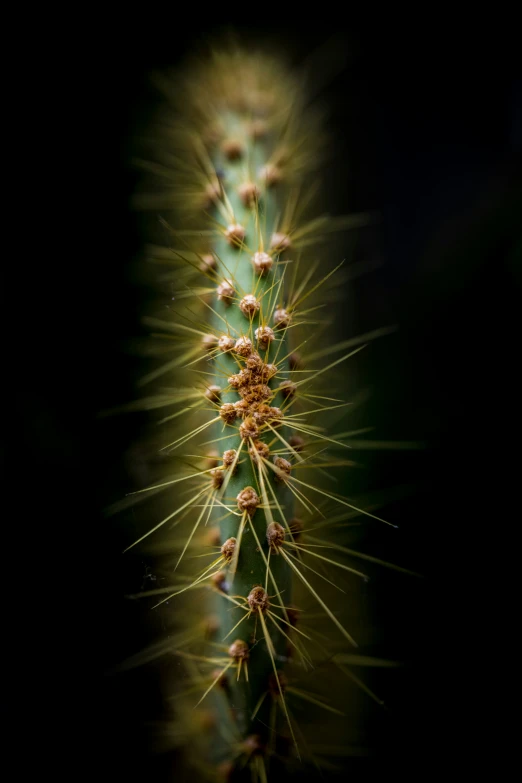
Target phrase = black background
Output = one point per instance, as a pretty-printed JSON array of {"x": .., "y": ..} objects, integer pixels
[{"x": 427, "y": 117}]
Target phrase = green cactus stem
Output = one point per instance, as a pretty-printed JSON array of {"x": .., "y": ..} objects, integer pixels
[{"x": 259, "y": 361}]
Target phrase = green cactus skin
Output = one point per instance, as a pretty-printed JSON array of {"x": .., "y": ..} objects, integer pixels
[{"x": 251, "y": 567}]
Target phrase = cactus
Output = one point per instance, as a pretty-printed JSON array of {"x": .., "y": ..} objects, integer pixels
[{"x": 246, "y": 417}]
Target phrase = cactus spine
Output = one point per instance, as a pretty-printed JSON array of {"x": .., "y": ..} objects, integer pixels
[{"x": 233, "y": 171}]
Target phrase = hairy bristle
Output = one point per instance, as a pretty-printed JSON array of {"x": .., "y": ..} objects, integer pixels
[{"x": 250, "y": 517}]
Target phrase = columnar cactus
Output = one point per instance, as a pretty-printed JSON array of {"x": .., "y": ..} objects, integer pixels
[{"x": 236, "y": 158}]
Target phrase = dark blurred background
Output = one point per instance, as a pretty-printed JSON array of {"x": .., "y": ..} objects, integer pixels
[{"x": 427, "y": 123}]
